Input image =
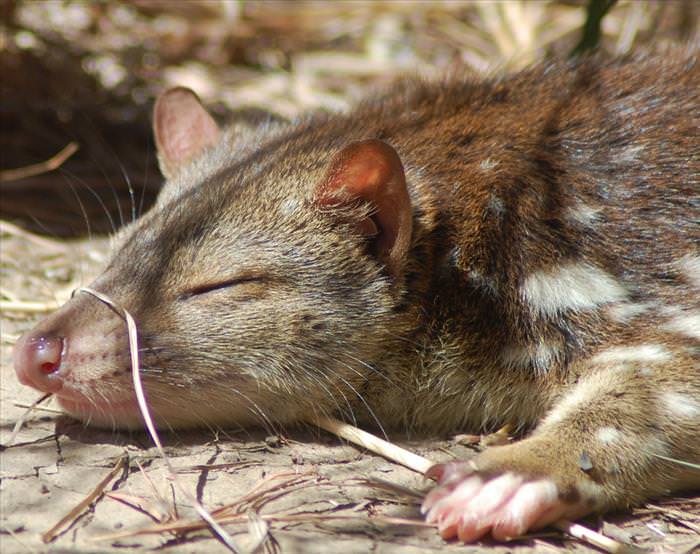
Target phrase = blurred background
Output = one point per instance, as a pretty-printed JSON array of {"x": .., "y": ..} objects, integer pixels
[{"x": 83, "y": 75}]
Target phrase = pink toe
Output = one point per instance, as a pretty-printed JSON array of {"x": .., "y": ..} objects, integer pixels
[
  {"x": 471, "y": 529},
  {"x": 455, "y": 500},
  {"x": 525, "y": 508},
  {"x": 495, "y": 493},
  {"x": 432, "y": 498}
]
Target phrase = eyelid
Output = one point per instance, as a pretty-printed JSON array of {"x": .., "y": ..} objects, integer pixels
[{"x": 222, "y": 284}]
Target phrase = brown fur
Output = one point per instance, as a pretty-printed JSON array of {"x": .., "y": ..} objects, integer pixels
[{"x": 592, "y": 166}]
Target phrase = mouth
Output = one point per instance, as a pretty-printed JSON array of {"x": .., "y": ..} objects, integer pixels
[{"x": 117, "y": 413}]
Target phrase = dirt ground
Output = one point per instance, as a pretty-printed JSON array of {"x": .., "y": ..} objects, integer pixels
[
  {"x": 305, "y": 491},
  {"x": 318, "y": 494}
]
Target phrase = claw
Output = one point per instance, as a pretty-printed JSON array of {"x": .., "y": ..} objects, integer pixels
[{"x": 506, "y": 506}]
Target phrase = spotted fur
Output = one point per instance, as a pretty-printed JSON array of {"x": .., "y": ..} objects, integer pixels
[{"x": 551, "y": 282}]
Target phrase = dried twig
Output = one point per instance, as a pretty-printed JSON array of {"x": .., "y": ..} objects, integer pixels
[
  {"x": 38, "y": 408},
  {"x": 219, "y": 531},
  {"x": 189, "y": 526},
  {"x": 375, "y": 444},
  {"x": 421, "y": 465},
  {"x": 23, "y": 418},
  {"x": 66, "y": 521},
  {"x": 141, "y": 504},
  {"x": 50, "y": 245},
  {"x": 52, "y": 163},
  {"x": 28, "y": 307},
  {"x": 677, "y": 515}
]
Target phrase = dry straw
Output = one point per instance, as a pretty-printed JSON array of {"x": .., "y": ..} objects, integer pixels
[
  {"x": 52, "y": 163},
  {"x": 421, "y": 465},
  {"x": 219, "y": 531}
]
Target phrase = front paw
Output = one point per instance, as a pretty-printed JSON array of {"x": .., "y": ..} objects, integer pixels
[{"x": 469, "y": 504}]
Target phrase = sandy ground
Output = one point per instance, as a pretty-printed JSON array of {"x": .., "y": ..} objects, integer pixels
[{"x": 314, "y": 488}]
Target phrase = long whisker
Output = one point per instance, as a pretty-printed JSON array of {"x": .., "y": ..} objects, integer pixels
[
  {"x": 330, "y": 395},
  {"x": 67, "y": 177},
  {"x": 369, "y": 409},
  {"x": 99, "y": 199},
  {"x": 130, "y": 188},
  {"x": 145, "y": 183},
  {"x": 373, "y": 369}
]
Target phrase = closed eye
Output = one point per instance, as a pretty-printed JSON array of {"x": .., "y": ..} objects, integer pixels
[{"x": 212, "y": 286}]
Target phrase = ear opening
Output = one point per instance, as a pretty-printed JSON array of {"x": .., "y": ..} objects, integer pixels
[
  {"x": 371, "y": 171},
  {"x": 182, "y": 128}
]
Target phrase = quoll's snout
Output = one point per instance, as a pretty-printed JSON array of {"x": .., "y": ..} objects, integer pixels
[
  {"x": 37, "y": 360},
  {"x": 80, "y": 354}
]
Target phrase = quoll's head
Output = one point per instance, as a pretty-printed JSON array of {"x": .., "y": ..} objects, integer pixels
[{"x": 264, "y": 283}]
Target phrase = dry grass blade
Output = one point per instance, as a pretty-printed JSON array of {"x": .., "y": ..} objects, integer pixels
[
  {"x": 677, "y": 515},
  {"x": 37, "y": 408},
  {"x": 181, "y": 526},
  {"x": 52, "y": 163},
  {"x": 394, "y": 488},
  {"x": 258, "y": 530},
  {"x": 66, "y": 521},
  {"x": 145, "y": 412},
  {"x": 375, "y": 444},
  {"x": 266, "y": 490},
  {"x": 679, "y": 462},
  {"x": 166, "y": 506},
  {"x": 28, "y": 307},
  {"x": 140, "y": 504},
  {"x": 18, "y": 425},
  {"x": 50, "y": 245},
  {"x": 421, "y": 465},
  {"x": 209, "y": 467}
]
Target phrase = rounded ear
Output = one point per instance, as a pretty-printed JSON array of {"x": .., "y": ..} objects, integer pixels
[
  {"x": 182, "y": 128},
  {"x": 371, "y": 171}
]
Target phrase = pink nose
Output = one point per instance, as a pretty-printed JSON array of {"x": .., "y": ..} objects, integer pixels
[{"x": 37, "y": 361}]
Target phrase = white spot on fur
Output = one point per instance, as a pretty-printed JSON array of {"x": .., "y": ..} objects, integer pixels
[
  {"x": 681, "y": 405},
  {"x": 647, "y": 353},
  {"x": 609, "y": 435},
  {"x": 483, "y": 282},
  {"x": 625, "y": 311},
  {"x": 289, "y": 206},
  {"x": 540, "y": 358},
  {"x": 629, "y": 154},
  {"x": 687, "y": 324},
  {"x": 580, "y": 396},
  {"x": 487, "y": 164},
  {"x": 690, "y": 267},
  {"x": 575, "y": 286},
  {"x": 583, "y": 214},
  {"x": 496, "y": 205}
]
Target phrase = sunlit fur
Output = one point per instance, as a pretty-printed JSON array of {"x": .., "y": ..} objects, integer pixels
[{"x": 551, "y": 280}]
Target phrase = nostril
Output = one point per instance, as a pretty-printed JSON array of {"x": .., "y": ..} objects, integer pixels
[
  {"x": 38, "y": 361},
  {"x": 49, "y": 367},
  {"x": 47, "y": 353}
]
